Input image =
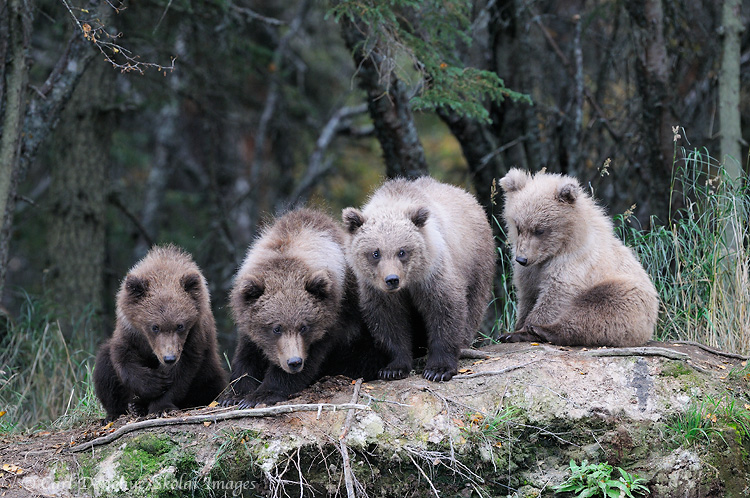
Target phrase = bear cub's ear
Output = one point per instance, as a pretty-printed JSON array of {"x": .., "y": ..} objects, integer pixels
[
  {"x": 419, "y": 216},
  {"x": 191, "y": 283},
  {"x": 252, "y": 289},
  {"x": 515, "y": 180},
  {"x": 568, "y": 191},
  {"x": 353, "y": 219},
  {"x": 136, "y": 287},
  {"x": 319, "y": 284}
]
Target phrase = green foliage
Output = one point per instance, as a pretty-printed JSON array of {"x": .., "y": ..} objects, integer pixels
[
  {"x": 428, "y": 34},
  {"x": 504, "y": 308},
  {"x": 596, "y": 480},
  {"x": 495, "y": 429},
  {"x": 44, "y": 375},
  {"x": 710, "y": 417},
  {"x": 700, "y": 260}
]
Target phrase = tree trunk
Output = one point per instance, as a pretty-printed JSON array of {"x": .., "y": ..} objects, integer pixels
[
  {"x": 388, "y": 104},
  {"x": 26, "y": 126},
  {"x": 15, "y": 30},
  {"x": 729, "y": 89},
  {"x": 77, "y": 197},
  {"x": 652, "y": 73}
]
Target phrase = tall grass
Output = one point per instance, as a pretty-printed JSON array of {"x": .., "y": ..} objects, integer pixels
[
  {"x": 700, "y": 259},
  {"x": 43, "y": 376}
]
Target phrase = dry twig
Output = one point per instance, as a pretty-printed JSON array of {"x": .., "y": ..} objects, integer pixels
[{"x": 348, "y": 476}]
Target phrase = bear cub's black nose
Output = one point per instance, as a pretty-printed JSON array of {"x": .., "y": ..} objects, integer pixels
[
  {"x": 294, "y": 363},
  {"x": 521, "y": 260},
  {"x": 169, "y": 359},
  {"x": 392, "y": 281}
]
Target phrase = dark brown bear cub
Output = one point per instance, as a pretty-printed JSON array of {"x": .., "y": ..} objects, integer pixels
[
  {"x": 295, "y": 305},
  {"x": 163, "y": 354}
]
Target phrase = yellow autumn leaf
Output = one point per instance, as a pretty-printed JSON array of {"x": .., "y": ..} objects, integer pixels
[
  {"x": 206, "y": 424},
  {"x": 109, "y": 425},
  {"x": 13, "y": 469},
  {"x": 3, "y": 413},
  {"x": 213, "y": 404}
]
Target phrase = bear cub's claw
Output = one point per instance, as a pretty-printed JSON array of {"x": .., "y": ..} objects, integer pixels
[
  {"x": 439, "y": 374},
  {"x": 389, "y": 373},
  {"x": 229, "y": 400}
]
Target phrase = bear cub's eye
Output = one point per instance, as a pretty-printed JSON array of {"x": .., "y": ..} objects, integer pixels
[
  {"x": 180, "y": 327},
  {"x": 155, "y": 329},
  {"x": 401, "y": 253},
  {"x": 376, "y": 254},
  {"x": 276, "y": 329},
  {"x": 303, "y": 329},
  {"x": 539, "y": 231}
]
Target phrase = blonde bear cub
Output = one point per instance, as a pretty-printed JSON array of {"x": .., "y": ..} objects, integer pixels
[{"x": 577, "y": 284}]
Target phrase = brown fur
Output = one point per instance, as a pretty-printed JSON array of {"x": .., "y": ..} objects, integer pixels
[
  {"x": 576, "y": 283},
  {"x": 295, "y": 305},
  {"x": 424, "y": 257},
  {"x": 163, "y": 354}
]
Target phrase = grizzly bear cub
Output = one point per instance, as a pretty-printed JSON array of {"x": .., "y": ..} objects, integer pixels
[
  {"x": 424, "y": 257},
  {"x": 576, "y": 283},
  {"x": 294, "y": 302},
  {"x": 163, "y": 353}
]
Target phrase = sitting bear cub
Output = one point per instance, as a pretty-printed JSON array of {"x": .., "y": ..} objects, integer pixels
[
  {"x": 577, "y": 284},
  {"x": 163, "y": 353}
]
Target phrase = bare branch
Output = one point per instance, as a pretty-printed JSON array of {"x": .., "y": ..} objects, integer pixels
[
  {"x": 94, "y": 30},
  {"x": 216, "y": 417},
  {"x": 316, "y": 168},
  {"x": 643, "y": 351},
  {"x": 251, "y": 14}
]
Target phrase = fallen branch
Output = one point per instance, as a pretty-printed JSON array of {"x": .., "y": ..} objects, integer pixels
[
  {"x": 712, "y": 350},
  {"x": 216, "y": 417},
  {"x": 642, "y": 351}
]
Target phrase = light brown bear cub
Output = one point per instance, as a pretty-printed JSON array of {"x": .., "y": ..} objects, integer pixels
[
  {"x": 424, "y": 257},
  {"x": 294, "y": 301},
  {"x": 163, "y": 354},
  {"x": 576, "y": 283}
]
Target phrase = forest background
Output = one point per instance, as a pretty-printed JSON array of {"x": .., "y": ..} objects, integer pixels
[{"x": 192, "y": 121}]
